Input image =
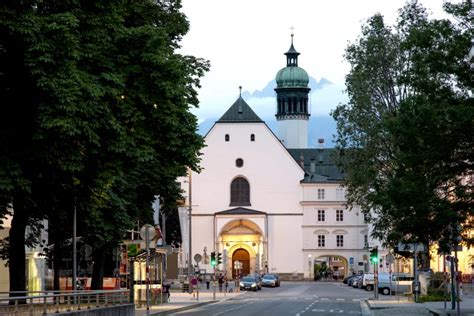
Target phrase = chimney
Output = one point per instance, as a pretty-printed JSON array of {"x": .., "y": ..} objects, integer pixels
[
  {"x": 320, "y": 150},
  {"x": 301, "y": 160},
  {"x": 312, "y": 165},
  {"x": 321, "y": 143}
]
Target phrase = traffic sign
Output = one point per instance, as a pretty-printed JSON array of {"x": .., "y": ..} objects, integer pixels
[{"x": 197, "y": 258}]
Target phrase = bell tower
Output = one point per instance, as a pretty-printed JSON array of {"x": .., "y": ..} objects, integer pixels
[{"x": 292, "y": 102}]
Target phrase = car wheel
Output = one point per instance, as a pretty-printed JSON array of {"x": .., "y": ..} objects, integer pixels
[
  {"x": 369, "y": 288},
  {"x": 386, "y": 291}
]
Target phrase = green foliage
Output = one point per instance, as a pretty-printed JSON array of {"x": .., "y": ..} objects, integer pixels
[
  {"x": 96, "y": 104},
  {"x": 405, "y": 137}
]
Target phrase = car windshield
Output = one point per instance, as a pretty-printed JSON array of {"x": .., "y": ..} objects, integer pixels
[
  {"x": 248, "y": 279},
  {"x": 271, "y": 277}
]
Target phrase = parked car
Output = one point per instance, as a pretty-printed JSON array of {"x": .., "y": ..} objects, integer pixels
[
  {"x": 269, "y": 280},
  {"x": 351, "y": 279},
  {"x": 356, "y": 281},
  {"x": 394, "y": 283},
  {"x": 258, "y": 279},
  {"x": 277, "y": 278},
  {"x": 249, "y": 283}
]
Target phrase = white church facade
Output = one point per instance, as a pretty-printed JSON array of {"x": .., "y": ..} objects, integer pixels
[{"x": 267, "y": 200}]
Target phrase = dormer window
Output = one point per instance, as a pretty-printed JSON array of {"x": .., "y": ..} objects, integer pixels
[
  {"x": 227, "y": 137},
  {"x": 252, "y": 137}
]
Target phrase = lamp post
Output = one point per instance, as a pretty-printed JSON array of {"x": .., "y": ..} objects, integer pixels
[{"x": 190, "y": 208}]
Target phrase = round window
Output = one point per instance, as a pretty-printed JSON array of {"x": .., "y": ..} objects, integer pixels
[{"x": 239, "y": 162}]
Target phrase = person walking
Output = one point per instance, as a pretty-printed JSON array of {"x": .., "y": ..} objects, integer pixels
[{"x": 221, "y": 282}]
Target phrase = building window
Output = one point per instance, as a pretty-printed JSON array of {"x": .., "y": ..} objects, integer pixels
[
  {"x": 339, "y": 240},
  {"x": 320, "y": 194},
  {"x": 339, "y": 215},
  {"x": 239, "y": 162},
  {"x": 252, "y": 137},
  {"x": 239, "y": 192},
  {"x": 321, "y": 241},
  {"x": 227, "y": 137},
  {"x": 321, "y": 215},
  {"x": 366, "y": 241},
  {"x": 340, "y": 194}
]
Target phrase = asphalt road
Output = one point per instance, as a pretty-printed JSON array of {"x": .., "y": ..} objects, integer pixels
[{"x": 292, "y": 298}]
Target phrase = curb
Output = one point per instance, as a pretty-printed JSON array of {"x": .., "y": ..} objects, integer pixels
[
  {"x": 184, "y": 308},
  {"x": 437, "y": 312},
  {"x": 365, "y": 309}
]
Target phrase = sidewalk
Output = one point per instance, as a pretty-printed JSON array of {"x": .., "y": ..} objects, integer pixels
[
  {"x": 394, "y": 305},
  {"x": 180, "y": 301}
]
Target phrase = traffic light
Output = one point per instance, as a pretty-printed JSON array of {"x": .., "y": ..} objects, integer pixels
[
  {"x": 213, "y": 259},
  {"x": 219, "y": 258},
  {"x": 374, "y": 255}
]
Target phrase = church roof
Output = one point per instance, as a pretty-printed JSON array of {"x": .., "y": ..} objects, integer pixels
[
  {"x": 239, "y": 112},
  {"x": 324, "y": 169},
  {"x": 240, "y": 211}
]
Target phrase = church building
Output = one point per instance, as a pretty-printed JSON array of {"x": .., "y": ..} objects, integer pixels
[{"x": 269, "y": 201}]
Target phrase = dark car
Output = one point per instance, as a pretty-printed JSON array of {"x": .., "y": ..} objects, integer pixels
[
  {"x": 249, "y": 283},
  {"x": 277, "y": 278},
  {"x": 258, "y": 279},
  {"x": 269, "y": 280},
  {"x": 348, "y": 280}
]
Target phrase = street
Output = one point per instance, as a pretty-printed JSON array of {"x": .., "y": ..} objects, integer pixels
[{"x": 292, "y": 298}]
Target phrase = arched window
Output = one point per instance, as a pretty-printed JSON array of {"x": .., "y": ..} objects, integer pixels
[
  {"x": 239, "y": 192},
  {"x": 227, "y": 137},
  {"x": 252, "y": 137}
]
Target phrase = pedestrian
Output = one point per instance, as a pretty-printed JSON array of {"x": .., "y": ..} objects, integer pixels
[
  {"x": 221, "y": 282},
  {"x": 226, "y": 284}
]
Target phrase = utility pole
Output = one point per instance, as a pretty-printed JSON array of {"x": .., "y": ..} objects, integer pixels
[
  {"x": 190, "y": 255},
  {"x": 74, "y": 251}
]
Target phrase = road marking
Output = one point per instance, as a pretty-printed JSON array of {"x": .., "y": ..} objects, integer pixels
[
  {"x": 231, "y": 309},
  {"x": 324, "y": 299},
  {"x": 355, "y": 312},
  {"x": 319, "y": 310},
  {"x": 340, "y": 299},
  {"x": 356, "y": 299}
]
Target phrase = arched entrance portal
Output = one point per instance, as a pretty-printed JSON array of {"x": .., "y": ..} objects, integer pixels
[
  {"x": 331, "y": 267},
  {"x": 243, "y": 256}
]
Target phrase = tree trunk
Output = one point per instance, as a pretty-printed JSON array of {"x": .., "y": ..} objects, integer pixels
[
  {"x": 97, "y": 282},
  {"x": 16, "y": 252}
]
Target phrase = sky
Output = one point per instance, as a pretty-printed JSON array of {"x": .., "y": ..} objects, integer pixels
[{"x": 245, "y": 40}]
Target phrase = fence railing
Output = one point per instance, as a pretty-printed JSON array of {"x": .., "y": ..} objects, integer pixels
[{"x": 47, "y": 302}]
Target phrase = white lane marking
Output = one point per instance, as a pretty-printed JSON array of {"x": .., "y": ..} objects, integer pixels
[
  {"x": 231, "y": 309},
  {"x": 355, "y": 312},
  {"x": 319, "y": 310},
  {"x": 340, "y": 299},
  {"x": 324, "y": 299},
  {"x": 356, "y": 299}
]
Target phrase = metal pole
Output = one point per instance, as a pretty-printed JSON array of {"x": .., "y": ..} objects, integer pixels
[
  {"x": 445, "y": 281},
  {"x": 163, "y": 224},
  {"x": 415, "y": 271},
  {"x": 147, "y": 270},
  {"x": 214, "y": 285},
  {"x": 190, "y": 256},
  {"x": 457, "y": 278},
  {"x": 74, "y": 250},
  {"x": 453, "y": 293}
]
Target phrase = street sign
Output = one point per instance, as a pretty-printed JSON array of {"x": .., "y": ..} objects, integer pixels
[
  {"x": 351, "y": 260},
  {"x": 197, "y": 258}
]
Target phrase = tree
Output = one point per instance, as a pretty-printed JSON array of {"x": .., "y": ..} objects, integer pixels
[
  {"x": 102, "y": 117},
  {"x": 405, "y": 137}
]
